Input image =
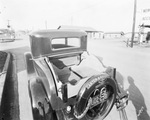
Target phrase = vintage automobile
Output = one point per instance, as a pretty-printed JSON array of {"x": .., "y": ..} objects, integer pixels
[
  {"x": 66, "y": 82},
  {"x": 7, "y": 35}
]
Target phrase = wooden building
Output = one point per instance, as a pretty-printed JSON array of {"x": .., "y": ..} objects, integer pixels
[
  {"x": 113, "y": 34},
  {"x": 91, "y": 32}
]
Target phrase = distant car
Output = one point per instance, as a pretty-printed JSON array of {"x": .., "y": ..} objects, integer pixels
[
  {"x": 7, "y": 35},
  {"x": 65, "y": 81}
]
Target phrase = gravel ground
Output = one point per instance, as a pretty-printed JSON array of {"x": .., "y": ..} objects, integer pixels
[{"x": 3, "y": 56}]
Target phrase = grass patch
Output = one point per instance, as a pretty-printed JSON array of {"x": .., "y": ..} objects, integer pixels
[{"x": 3, "y": 56}]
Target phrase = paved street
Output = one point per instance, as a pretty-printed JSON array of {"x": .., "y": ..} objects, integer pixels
[{"x": 133, "y": 66}]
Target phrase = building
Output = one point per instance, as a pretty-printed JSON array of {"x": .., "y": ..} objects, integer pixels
[
  {"x": 145, "y": 19},
  {"x": 91, "y": 32},
  {"x": 113, "y": 34}
]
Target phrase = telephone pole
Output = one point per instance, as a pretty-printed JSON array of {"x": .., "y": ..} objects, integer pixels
[
  {"x": 8, "y": 25},
  {"x": 134, "y": 20},
  {"x": 46, "y": 24},
  {"x": 71, "y": 20}
]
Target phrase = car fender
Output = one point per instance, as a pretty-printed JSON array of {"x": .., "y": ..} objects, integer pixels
[
  {"x": 30, "y": 65},
  {"x": 45, "y": 86},
  {"x": 40, "y": 103}
]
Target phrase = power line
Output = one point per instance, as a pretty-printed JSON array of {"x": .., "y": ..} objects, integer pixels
[{"x": 80, "y": 10}]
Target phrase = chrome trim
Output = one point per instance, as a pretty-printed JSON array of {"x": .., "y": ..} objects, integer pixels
[
  {"x": 85, "y": 111},
  {"x": 58, "y": 83},
  {"x": 53, "y": 72},
  {"x": 48, "y": 55}
]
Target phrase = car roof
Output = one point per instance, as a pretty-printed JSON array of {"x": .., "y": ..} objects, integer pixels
[
  {"x": 52, "y": 33},
  {"x": 41, "y": 42}
]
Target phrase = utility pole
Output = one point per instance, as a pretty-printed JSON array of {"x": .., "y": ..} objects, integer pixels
[
  {"x": 46, "y": 24},
  {"x": 134, "y": 20},
  {"x": 71, "y": 20},
  {"x": 8, "y": 25}
]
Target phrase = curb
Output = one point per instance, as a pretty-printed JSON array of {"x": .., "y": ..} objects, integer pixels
[{"x": 3, "y": 75}]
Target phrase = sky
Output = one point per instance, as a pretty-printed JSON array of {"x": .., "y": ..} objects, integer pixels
[{"x": 103, "y": 15}]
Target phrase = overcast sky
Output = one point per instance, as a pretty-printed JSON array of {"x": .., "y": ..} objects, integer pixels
[{"x": 103, "y": 15}]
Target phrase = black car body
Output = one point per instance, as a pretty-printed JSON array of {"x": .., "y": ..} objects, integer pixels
[{"x": 65, "y": 81}]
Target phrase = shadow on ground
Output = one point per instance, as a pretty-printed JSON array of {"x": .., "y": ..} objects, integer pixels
[
  {"x": 135, "y": 96},
  {"x": 137, "y": 100}
]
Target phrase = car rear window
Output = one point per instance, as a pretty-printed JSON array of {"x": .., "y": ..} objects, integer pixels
[{"x": 65, "y": 43}]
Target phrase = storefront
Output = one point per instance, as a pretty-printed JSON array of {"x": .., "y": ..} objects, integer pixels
[{"x": 144, "y": 28}]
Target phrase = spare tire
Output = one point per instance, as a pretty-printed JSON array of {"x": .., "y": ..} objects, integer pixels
[{"x": 96, "y": 97}]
